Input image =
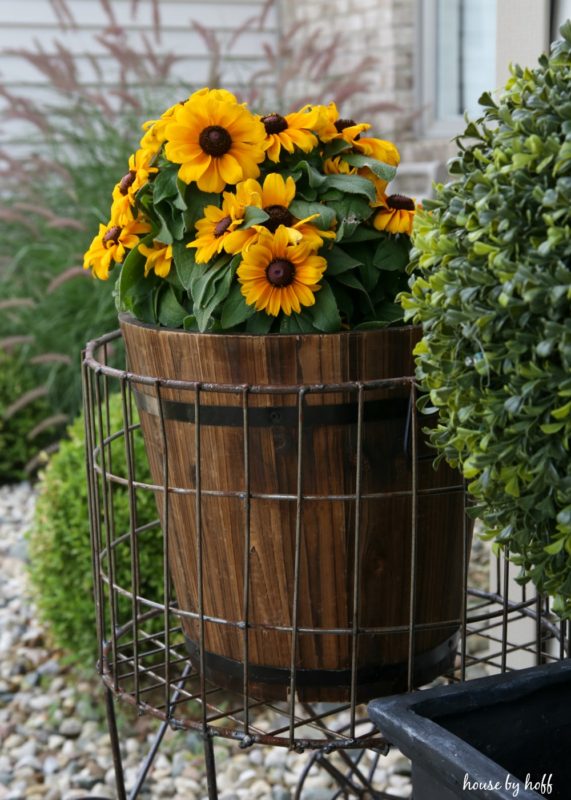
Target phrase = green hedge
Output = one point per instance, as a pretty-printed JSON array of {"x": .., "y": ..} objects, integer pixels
[{"x": 59, "y": 541}]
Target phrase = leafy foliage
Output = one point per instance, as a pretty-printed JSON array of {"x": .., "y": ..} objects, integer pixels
[
  {"x": 60, "y": 551},
  {"x": 328, "y": 193},
  {"x": 21, "y": 431},
  {"x": 492, "y": 288}
]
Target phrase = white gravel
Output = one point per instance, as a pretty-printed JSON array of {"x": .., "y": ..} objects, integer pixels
[{"x": 53, "y": 739}]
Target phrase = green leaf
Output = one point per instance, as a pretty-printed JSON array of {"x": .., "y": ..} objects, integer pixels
[
  {"x": 371, "y": 326},
  {"x": 179, "y": 201},
  {"x": 325, "y": 314},
  {"x": 339, "y": 261},
  {"x": 315, "y": 179},
  {"x": 302, "y": 209},
  {"x": 350, "y": 279},
  {"x": 204, "y": 313},
  {"x": 196, "y": 202},
  {"x": 172, "y": 222},
  {"x": 486, "y": 100},
  {"x": 132, "y": 273},
  {"x": 202, "y": 284},
  {"x": 132, "y": 285},
  {"x": 296, "y": 323},
  {"x": 253, "y": 216},
  {"x": 393, "y": 254},
  {"x": 235, "y": 310},
  {"x": 387, "y": 312},
  {"x": 334, "y": 147},
  {"x": 165, "y": 184},
  {"x": 562, "y": 412},
  {"x": 552, "y": 427},
  {"x": 189, "y": 323},
  {"x": 143, "y": 308},
  {"x": 350, "y": 211},
  {"x": 185, "y": 263},
  {"x": 555, "y": 548},
  {"x": 351, "y": 184},
  {"x": 363, "y": 234},
  {"x": 211, "y": 288},
  {"x": 260, "y": 323},
  {"x": 170, "y": 312},
  {"x": 384, "y": 171}
]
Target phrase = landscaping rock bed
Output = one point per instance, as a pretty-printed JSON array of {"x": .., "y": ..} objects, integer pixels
[{"x": 53, "y": 737}]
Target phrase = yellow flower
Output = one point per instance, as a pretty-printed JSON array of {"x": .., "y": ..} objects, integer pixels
[
  {"x": 335, "y": 127},
  {"x": 155, "y": 129},
  {"x": 215, "y": 140},
  {"x": 279, "y": 276},
  {"x": 396, "y": 214},
  {"x": 217, "y": 229},
  {"x": 293, "y": 130},
  {"x": 378, "y": 148},
  {"x": 159, "y": 258},
  {"x": 111, "y": 245},
  {"x": 124, "y": 192},
  {"x": 275, "y": 197},
  {"x": 337, "y": 166}
]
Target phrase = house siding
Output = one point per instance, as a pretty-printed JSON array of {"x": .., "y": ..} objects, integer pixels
[{"x": 36, "y": 26}]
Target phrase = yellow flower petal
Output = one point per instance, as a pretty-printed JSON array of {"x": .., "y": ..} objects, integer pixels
[{"x": 230, "y": 170}]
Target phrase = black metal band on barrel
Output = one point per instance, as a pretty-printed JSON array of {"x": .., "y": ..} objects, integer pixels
[
  {"x": 275, "y": 416},
  {"x": 376, "y": 679}
]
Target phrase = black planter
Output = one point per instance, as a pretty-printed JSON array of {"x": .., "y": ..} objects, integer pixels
[{"x": 494, "y": 738}]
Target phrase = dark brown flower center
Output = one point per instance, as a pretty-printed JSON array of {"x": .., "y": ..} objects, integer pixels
[
  {"x": 274, "y": 123},
  {"x": 222, "y": 226},
  {"x": 341, "y": 124},
  {"x": 279, "y": 215},
  {"x": 215, "y": 140},
  {"x": 280, "y": 272},
  {"x": 112, "y": 235},
  {"x": 400, "y": 201},
  {"x": 127, "y": 181}
]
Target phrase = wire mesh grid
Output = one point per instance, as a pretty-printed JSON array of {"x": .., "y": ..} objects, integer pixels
[{"x": 144, "y": 656}]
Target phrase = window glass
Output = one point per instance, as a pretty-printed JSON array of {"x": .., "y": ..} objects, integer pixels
[
  {"x": 465, "y": 55},
  {"x": 561, "y": 12}
]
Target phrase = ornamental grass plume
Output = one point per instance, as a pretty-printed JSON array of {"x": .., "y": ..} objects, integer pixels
[
  {"x": 232, "y": 221},
  {"x": 75, "y": 145}
]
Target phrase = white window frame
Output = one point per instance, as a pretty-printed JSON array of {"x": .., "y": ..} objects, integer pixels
[
  {"x": 429, "y": 126},
  {"x": 561, "y": 10},
  {"x": 523, "y": 32}
]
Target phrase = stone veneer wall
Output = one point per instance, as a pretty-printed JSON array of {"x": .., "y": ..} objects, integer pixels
[{"x": 386, "y": 29}]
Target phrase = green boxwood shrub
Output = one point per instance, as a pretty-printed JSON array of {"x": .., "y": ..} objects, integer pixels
[
  {"x": 59, "y": 541},
  {"x": 492, "y": 289}
]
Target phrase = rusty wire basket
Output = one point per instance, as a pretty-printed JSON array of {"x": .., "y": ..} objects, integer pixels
[{"x": 143, "y": 648}]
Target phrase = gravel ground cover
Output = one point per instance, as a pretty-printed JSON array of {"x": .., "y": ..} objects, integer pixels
[{"x": 53, "y": 737}]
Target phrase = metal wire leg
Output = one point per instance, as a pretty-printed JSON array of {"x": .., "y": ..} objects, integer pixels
[
  {"x": 114, "y": 736},
  {"x": 210, "y": 765}
]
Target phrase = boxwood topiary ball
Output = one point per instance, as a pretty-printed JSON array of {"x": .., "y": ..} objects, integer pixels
[{"x": 492, "y": 288}]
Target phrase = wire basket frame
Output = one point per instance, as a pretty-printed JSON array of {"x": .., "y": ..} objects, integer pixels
[{"x": 143, "y": 658}]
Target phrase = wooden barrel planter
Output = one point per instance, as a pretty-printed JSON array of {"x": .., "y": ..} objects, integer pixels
[{"x": 251, "y": 502}]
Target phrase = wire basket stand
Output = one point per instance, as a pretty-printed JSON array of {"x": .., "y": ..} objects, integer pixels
[{"x": 142, "y": 657}]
